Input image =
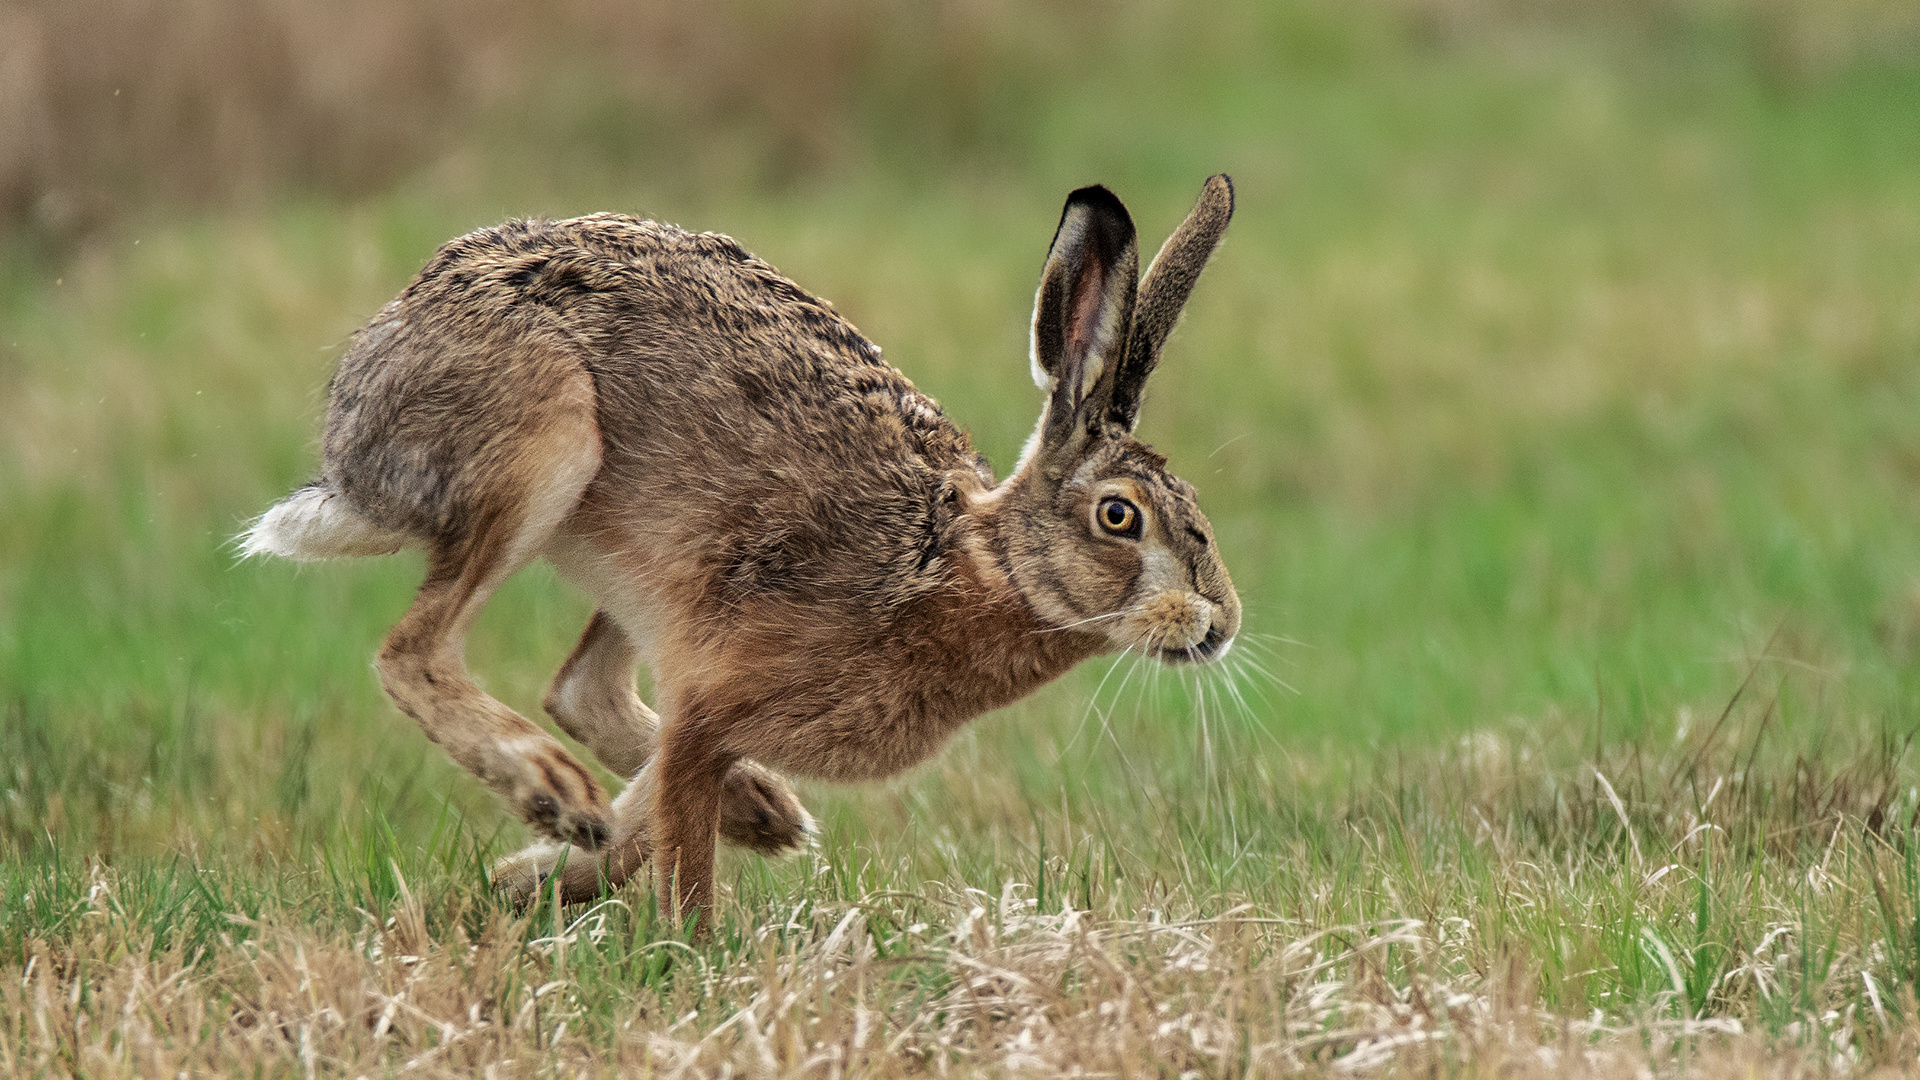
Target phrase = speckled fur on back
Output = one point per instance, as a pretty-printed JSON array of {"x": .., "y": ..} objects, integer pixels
[{"x": 821, "y": 573}]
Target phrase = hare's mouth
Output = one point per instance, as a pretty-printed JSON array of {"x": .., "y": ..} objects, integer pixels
[{"x": 1211, "y": 647}]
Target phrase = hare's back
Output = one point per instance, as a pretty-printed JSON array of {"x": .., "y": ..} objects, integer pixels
[
  {"x": 747, "y": 430},
  {"x": 744, "y": 421},
  {"x": 684, "y": 333},
  {"x": 716, "y": 380}
]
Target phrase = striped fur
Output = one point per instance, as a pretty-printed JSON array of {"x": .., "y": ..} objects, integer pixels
[{"x": 820, "y": 572}]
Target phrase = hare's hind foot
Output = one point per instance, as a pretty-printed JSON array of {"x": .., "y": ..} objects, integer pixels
[
  {"x": 758, "y": 811},
  {"x": 421, "y": 670},
  {"x": 524, "y": 877},
  {"x": 533, "y": 480}
]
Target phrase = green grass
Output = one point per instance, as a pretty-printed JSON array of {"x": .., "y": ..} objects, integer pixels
[{"x": 1556, "y": 401}]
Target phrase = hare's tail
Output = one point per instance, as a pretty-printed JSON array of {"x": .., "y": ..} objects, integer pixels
[{"x": 316, "y": 522}]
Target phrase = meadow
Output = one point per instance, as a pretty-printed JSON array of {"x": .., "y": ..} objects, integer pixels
[{"x": 1555, "y": 398}]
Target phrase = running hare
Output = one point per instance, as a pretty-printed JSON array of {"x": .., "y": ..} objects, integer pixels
[{"x": 814, "y": 563}]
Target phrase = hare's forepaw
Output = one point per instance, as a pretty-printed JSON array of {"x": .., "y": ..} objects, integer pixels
[
  {"x": 558, "y": 798},
  {"x": 760, "y": 812}
]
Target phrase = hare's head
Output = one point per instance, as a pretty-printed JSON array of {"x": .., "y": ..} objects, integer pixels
[{"x": 1100, "y": 536}]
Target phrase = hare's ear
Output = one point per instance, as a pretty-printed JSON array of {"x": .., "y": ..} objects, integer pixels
[
  {"x": 1081, "y": 314},
  {"x": 1164, "y": 291}
]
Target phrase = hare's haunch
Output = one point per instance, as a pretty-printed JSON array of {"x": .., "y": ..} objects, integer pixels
[{"x": 820, "y": 572}]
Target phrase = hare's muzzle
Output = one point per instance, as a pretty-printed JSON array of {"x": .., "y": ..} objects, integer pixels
[
  {"x": 1215, "y": 645},
  {"x": 1181, "y": 627}
]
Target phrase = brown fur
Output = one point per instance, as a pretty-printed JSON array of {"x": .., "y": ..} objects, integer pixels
[{"x": 821, "y": 573}]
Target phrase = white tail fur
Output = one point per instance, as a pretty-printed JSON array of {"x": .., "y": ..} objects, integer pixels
[{"x": 316, "y": 523}]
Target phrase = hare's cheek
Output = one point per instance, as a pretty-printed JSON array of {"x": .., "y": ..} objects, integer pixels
[{"x": 1096, "y": 579}]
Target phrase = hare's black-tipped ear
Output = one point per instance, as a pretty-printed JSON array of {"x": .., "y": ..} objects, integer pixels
[
  {"x": 1082, "y": 312},
  {"x": 1164, "y": 292}
]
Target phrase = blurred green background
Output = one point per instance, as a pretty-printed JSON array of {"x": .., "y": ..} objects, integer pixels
[{"x": 1561, "y": 360}]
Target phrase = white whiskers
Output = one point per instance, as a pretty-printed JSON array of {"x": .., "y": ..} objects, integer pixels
[
  {"x": 1093, "y": 702},
  {"x": 1082, "y": 622},
  {"x": 1230, "y": 704}
]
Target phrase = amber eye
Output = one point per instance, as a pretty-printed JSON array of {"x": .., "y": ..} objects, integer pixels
[{"x": 1119, "y": 517}]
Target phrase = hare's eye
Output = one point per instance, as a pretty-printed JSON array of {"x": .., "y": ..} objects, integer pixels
[{"x": 1119, "y": 517}]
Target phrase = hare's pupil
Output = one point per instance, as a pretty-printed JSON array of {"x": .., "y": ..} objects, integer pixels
[{"x": 1116, "y": 515}]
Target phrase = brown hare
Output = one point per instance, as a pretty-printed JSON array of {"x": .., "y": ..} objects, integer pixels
[{"x": 820, "y": 572}]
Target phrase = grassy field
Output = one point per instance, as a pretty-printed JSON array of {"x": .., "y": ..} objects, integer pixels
[{"x": 1555, "y": 397}]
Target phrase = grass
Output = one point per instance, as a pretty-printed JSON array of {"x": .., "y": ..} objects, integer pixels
[{"x": 1554, "y": 401}]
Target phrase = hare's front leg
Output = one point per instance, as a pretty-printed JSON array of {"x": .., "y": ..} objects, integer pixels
[
  {"x": 689, "y": 776},
  {"x": 758, "y": 811},
  {"x": 593, "y": 699}
]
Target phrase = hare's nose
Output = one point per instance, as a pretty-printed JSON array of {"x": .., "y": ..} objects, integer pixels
[{"x": 1215, "y": 645}]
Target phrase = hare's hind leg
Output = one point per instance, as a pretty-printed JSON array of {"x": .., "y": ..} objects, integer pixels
[
  {"x": 422, "y": 665},
  {"x": 669, "y": 814},
  {"x": 758, "y": 811},
  {"x": 594, "y": 700},
  {"x": 583, "y": 874}
]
